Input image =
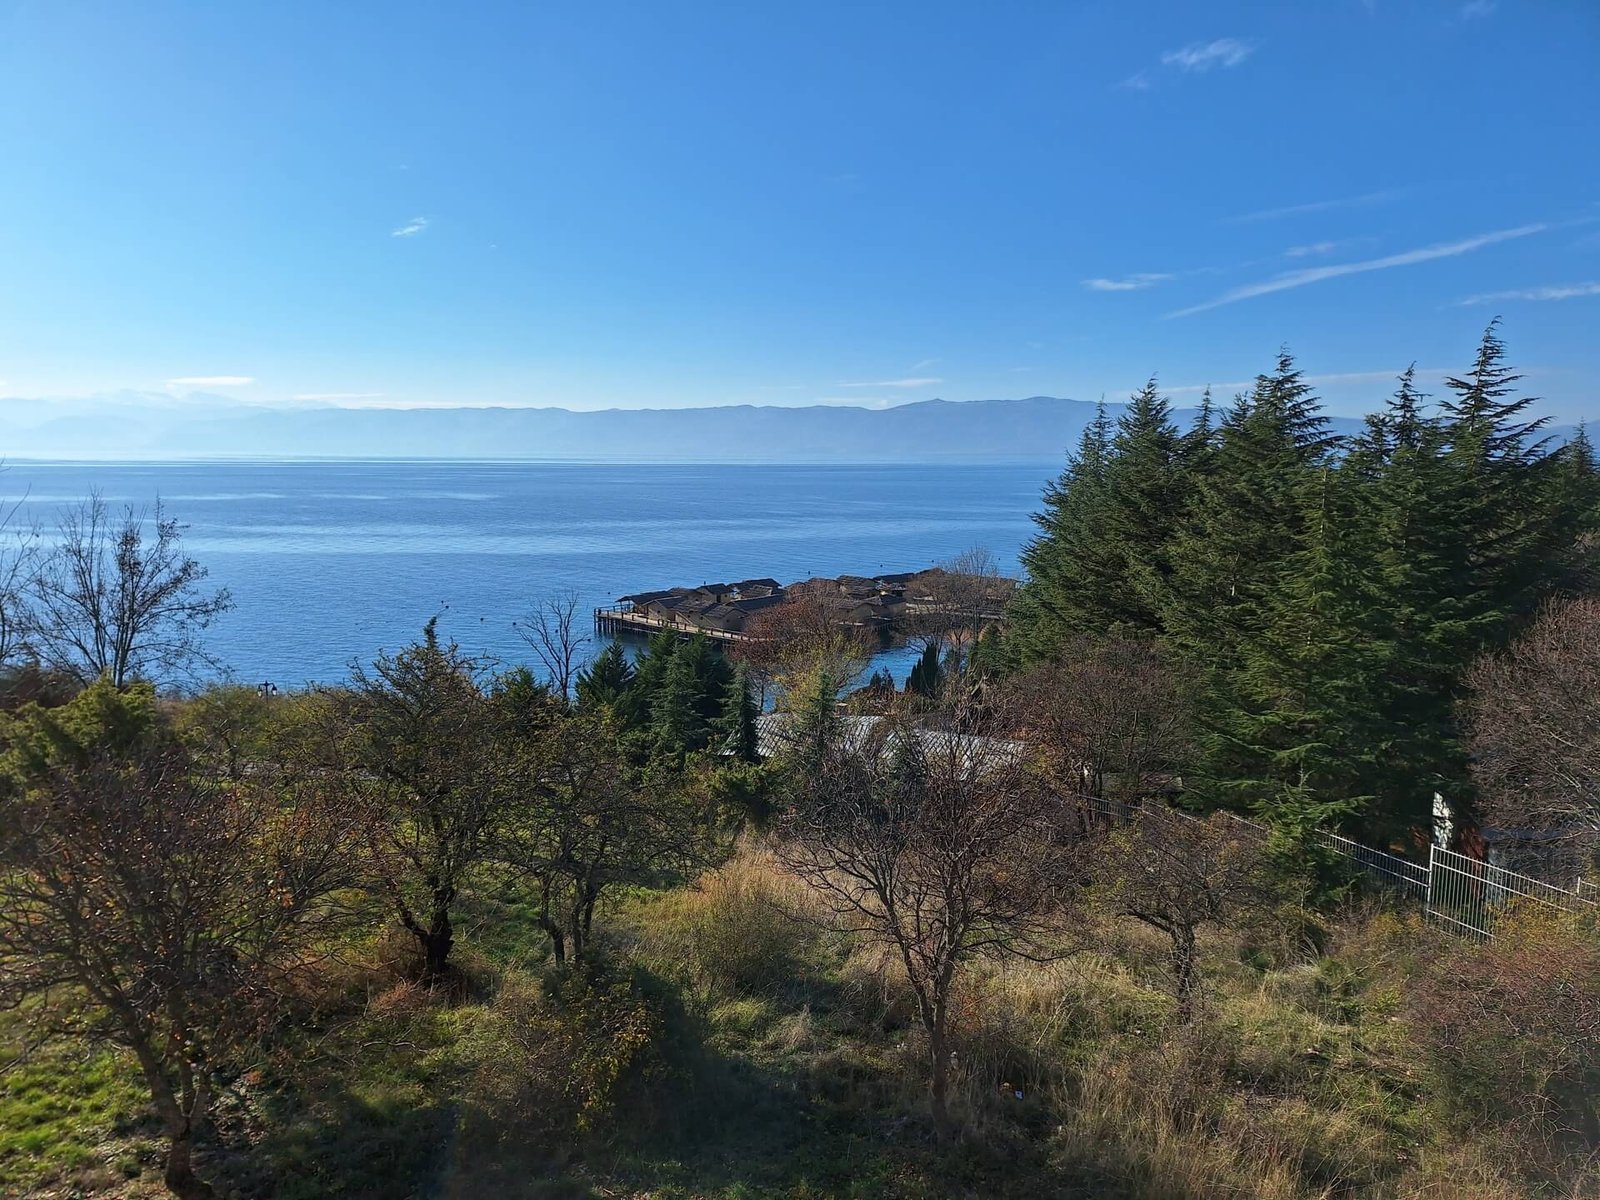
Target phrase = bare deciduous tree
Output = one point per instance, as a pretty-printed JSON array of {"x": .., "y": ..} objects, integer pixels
[
  {"x": 800, "y": 640},
  {"x": 1533, "y": 725},
  {"x": 940, "y": 847},
  {"x": 1110, "y": 717},
  {"x": 969, "y": 593},
  {"x": 1177, "y": 874},
  {"x": 150, "y": 904},
  {"x": 552, "y": 632},
  {"x": 107, "y": 600},
  {"x": 19, "y": 557}
]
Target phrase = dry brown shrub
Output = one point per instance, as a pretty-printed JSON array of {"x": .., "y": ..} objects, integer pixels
[
  {"x": 1512, "y": 1028},
  {"x": 739, "y": 928}
]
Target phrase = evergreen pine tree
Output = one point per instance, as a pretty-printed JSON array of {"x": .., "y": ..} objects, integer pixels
[
  {"x": 1101, "y": 560},
  {"x": 811, "y": 723},
  {"x": 1146, "y": 496},
  {"x": 1296, "y": 707},
  {"x": 927, "y": 676},
  {"x": 736, "y": 726},
  {"x": 1248, "y": 519},
  {"x": 1411, "y": 617},
  {"x": 1232, "y": 560},
  {"x": 1064, "y": 590},
  {"x": 677, "y": 725},
  {"x": 1197, "y": 441},
  {"x": 649, "y": 671},
  {"x": 991, "y": 655},
  {"x": 1578, "y": 487},
  {"x": 606, "y": 680},
  {"x": 1515, "y": 534}
]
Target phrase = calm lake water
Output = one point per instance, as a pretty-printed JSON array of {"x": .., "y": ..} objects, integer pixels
[{"x": 330, "y": 562}]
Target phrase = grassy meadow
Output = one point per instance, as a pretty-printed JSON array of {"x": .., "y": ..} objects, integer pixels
[{"x": 729, "y": 1050}]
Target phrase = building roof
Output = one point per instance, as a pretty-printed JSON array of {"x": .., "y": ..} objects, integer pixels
[
  {"x": 857, "y": 732},
  {"x": 647, "y": 597},
  {"x": 721, "y": 616}
]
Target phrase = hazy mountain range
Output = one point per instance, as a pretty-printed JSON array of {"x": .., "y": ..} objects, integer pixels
[{"x": 141, "y": 425}]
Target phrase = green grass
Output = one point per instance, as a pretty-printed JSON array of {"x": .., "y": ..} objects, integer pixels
[
  {"x": 1301, "y": 1084},
  {"x": 63, "y": 1115}
]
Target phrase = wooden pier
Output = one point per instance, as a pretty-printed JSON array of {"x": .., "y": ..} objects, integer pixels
[
  {"x": 883, "y": 604},
  {"x": 623, "y": 622}
]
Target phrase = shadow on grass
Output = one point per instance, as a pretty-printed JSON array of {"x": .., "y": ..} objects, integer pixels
[
  {"x": 343, "y": 1145},
  {"x": 780, "y": 1101},
  {"x": 796, "y": 1097}
]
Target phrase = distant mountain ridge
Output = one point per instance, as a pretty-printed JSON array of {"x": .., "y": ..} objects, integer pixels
[{"x": 153, "y": 426}]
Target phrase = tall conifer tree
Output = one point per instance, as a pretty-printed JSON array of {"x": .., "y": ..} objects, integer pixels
[
  {"x": 736, "y": 726},
  {"x": 1065, "y": 589}
]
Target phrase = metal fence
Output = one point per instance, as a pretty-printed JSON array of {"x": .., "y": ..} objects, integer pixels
[
  {"x": 1467, "y": 894},
  {"x": 1460, "y": 893},
  {"x": 1390, "y": 870}
]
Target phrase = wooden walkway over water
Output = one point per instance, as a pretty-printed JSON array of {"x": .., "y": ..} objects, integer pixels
[{"x": 615, "y": 622}]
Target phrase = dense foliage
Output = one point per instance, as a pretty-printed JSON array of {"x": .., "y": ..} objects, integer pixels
[{"x": 1328, "y": 595}]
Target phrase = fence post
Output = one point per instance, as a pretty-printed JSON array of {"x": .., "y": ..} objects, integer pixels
[{"x": 1427, "y": 897}]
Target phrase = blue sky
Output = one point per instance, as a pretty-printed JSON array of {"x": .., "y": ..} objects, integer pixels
[{"x": 668, "y": 204}]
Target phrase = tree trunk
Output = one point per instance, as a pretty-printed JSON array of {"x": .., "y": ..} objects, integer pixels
[
  {"x": 179, "y": 1117},
  {"x": 1185, "y": 973},
  {"x": 436, "y": 944},
  {"x": 589, "y": 901},
  {"x": 939, "y": 1079},
  {"x": 579, "y": 942},
  {"x": 180, "y": 1178},
  {"x": 558, "y": 938}
]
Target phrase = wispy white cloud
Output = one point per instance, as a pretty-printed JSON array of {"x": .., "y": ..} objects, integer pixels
[
  {"x": 1202, "y": 56},
  {"x": 1310, "y": 275},
  {"x": 1195, "y": 58},
  {"x": 918, "y": 382},
  {"x": 411, "y": 228},
  {"x": 922, "y": 364},
  {"x": 1318, "y": 249},
  {"x": 1128, "y": 283},
  {"x": 1566, "y": 291},
  {"x": 338, "y": 396},
  {"x": 1295, "y": 210},
  {"x": 187, "y": 381},
  {"x": 1475, "y": 10}
]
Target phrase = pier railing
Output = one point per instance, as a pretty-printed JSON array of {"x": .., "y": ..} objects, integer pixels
[{"x": 613, "y": 621}]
